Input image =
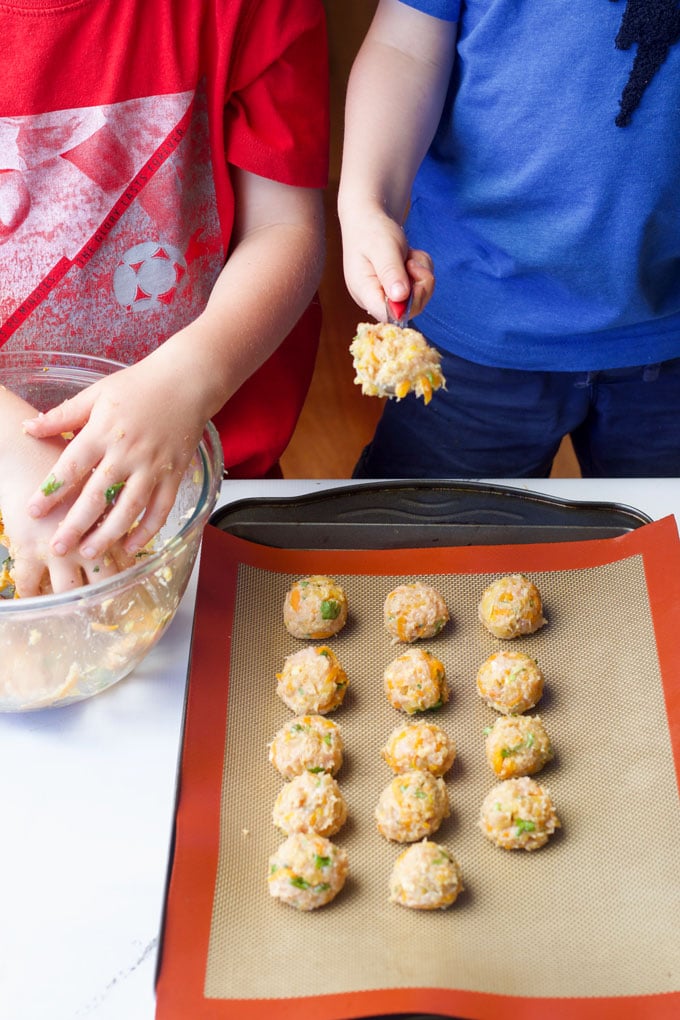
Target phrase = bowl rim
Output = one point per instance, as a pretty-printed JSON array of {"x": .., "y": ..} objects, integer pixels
[{"x": 210, "y": 451}]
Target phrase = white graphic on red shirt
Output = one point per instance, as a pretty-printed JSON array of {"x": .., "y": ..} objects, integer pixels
[
  {"x": 147, "y": 275},
  {"x": 89, "y": 200}
]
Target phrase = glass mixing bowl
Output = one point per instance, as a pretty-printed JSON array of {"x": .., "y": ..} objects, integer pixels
[{"x": 57, "y": 649}]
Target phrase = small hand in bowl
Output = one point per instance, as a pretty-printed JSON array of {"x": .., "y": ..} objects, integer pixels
[{"x": 116, "y": 481}]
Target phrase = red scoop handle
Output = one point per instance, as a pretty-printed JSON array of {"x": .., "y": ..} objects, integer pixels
[{"x": 397, "y": 308}]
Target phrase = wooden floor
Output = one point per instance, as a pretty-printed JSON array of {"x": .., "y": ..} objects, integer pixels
[{"x": 337, "y": 421}]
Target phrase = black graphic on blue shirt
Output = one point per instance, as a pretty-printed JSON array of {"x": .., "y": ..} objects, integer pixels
[{"x": 654, "y": 25}]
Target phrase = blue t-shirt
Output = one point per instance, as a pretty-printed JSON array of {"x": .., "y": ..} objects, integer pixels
[{"x": 555, "y": 232}]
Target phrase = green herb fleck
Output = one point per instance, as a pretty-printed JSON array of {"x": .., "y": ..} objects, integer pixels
[
  {"x": 112, "y": 491},
  {"x": 330, "y": 609},
  {"x": 431, "y": 708},
  {"x": 322, "y": 862},
  {"x": 299, "y": 882},
  {"x": 50, "y": 485},
  {"x": 327, "y": 739},
  {"x": 316, "y": 769},
  {"x": 522, "y": 825},
  {"x": 507, "y": 751}
]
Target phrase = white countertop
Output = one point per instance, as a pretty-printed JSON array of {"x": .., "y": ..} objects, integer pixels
[{"x": 87, "y": 795}]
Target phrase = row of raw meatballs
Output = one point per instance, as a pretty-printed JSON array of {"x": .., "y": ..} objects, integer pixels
[
  {"x": 308, "y": 870},
  {"x": 515, "y": 812},
  {"x": 518, "y": 813},
  {"x": 315, "y": 608}
]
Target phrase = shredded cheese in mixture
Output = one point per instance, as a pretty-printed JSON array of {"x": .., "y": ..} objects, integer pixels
[{"x": 391, "y": 361}]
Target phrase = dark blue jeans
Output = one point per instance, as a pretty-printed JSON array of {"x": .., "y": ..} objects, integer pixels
[{"x": 507, "y": 423}]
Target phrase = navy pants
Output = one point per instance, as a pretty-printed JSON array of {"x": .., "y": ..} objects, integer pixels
[{"x": 507, "y": 423}]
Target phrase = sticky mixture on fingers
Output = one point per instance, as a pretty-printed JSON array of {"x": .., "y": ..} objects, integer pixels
[
  {"x": 511, "y": 682},
  {"x": 416, "y": 682},
  {"x": 425, "y": 876},
  {"x": 315, "y": 607},
  {"x": 517, "y": 745},
  {"x": 414, "y": 611},
  {"x": 421, "y": 745},
  {"x": 392, "y": 361},
  {"x": 312, "y": 681},
  {"x": 511, "y": 606}
]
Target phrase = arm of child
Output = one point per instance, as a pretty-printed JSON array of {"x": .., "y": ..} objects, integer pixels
[
  {"x": 24, "y": 463},
  {"x": 395, "y": 96},
  {"x": 137, "y": 429}
]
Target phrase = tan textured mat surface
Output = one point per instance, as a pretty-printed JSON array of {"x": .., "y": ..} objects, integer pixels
[{"x": 594, "y": 915}]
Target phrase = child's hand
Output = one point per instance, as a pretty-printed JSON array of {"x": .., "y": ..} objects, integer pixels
[
  {"x": 135, "y": 436},
  {"x": 379, "y": 264},
  {"x": 36, "y": 569}
]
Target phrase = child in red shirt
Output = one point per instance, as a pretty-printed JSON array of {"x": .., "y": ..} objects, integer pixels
[{"x": 161, "y": 167}]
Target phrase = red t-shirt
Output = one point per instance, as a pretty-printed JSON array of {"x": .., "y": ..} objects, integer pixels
[{"x": 118, "y": 122}]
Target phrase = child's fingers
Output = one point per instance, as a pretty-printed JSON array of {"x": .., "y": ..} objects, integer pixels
[
  {"x": 27, "y": 575},
  {"x": 66, "y": 417},
  {"x": 156, "y": 512},
  {"x": 104, "y": 567},
  {"x": 421, "y": 271},
  {"x": 419, "y": 262},
  {"x": 65, "y": 575},
  {"x": 121, "y": 515},
  {"x": 378, "y": 273},
  {"x": 66, "y": 475},
  {"x": 109, "y": 500}
]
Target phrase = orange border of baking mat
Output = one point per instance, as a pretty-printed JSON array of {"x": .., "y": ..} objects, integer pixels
[{"x": 189, "y": 904}]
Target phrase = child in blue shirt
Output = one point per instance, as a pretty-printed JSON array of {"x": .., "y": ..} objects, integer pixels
[{"x": 540, "y": 165}]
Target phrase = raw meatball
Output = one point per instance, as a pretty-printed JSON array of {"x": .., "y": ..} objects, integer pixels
[
  {"x": 423, "y": 746},
  {"x": 309, "y": 743},
  {"x": 312, "y": 681},
  {"x": 307, "y": 871},
  {"x": 390, "y": 361},
  {"x": 310, "y": 803},
  {"x": 416, "y": 682},
  {"x": 510, "y": 682},
  {"x": 425, "y": 877},
  {"x": 511, "y": 606},
  {"x": 414, "y": 611},
  {"x": 517, "y": 746},
  {"x": 412, "y": 806},
  {"x": 315, "y": 607},
  {"x": 518, "y": 814}
]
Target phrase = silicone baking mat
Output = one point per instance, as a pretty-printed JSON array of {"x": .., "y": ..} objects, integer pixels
[{"x": 588, "y": 926}]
